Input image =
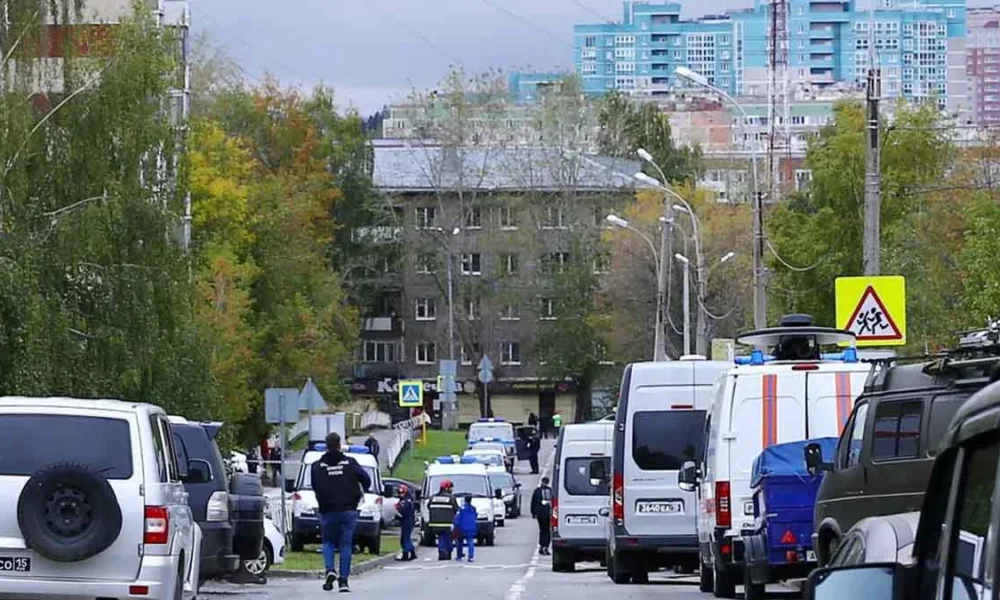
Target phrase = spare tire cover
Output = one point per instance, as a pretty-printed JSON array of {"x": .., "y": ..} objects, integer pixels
[{"x": 68, "y": 512}]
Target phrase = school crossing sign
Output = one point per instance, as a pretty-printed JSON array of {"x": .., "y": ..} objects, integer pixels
[
  {"x": 873, "y": 308},
  {"x": 411, "y": 393}
]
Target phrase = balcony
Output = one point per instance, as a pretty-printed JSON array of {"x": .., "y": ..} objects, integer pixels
[
  {"x": 822, "y": 47},
  {"x": 382, "y": 328},
  {"x": 821, "y": 61},
  {"x": 821, "y": 33}
]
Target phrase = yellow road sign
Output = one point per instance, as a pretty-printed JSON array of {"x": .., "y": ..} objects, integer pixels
[
  {"x": 411, "y": 393},
  {"x": 874, "y": 308}
]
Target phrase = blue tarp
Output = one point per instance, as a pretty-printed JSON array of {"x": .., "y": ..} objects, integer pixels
[{"x": 789, "y": 459}]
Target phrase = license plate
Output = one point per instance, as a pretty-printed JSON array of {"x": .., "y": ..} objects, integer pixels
[
  {"x": 748, "y": 508},
  {"x": 581, "y": 520},
  {"x": 15, "y": 564},
  {"x": 810, "y": 556},
  {"x": 659, "y": 507}
]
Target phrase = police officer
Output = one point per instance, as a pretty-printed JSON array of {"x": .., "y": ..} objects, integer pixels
[
  {"x": 407, "y": 517},
  {"x": 541, "y": 510},
  {"x": 556, "y": 423},
  {"x": 441, "y": 510},
  {"x": 532, "y": 444}
]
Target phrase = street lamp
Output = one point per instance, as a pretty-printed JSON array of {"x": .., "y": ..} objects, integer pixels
[
  {"x": 687, "y": 301},
  {"x": 701, "y": 277},
  {"x": 659, "y": 352},
  {"x": 759, "y": 297}
]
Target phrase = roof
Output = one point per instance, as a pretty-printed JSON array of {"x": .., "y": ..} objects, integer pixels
[
  {"x": 596, "y": 430},
  {"x": 678, "y": 372},
  {"x": 984, "y": 400},
  {"x": 76, "y": 404},
  {"x": 421, "y": 166},
  {"x": 456, "y": 469}
]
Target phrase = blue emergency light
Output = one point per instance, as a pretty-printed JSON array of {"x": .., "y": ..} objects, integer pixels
[
  {"x": 450, "y": 460},
  {"x": 491, "y": 420},
  {"x": 357, "y": 449},
  {"x": 757, "y": 357},
  {"x": 320, "y": 447}
]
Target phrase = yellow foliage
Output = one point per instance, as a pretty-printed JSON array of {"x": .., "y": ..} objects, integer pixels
[{"x": 221, "y": 174}]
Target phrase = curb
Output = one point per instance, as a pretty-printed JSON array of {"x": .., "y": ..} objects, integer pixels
[{"x": 359, "y": 569}]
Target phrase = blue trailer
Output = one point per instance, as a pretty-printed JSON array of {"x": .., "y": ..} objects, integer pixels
[{"x": 779, "y": 547}]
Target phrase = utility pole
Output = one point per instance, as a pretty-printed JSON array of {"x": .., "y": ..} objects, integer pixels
[
  {"x": 659, "y": 338},
  {"x": 873, "y": 200},
  {"x": 759, "y": 283}
]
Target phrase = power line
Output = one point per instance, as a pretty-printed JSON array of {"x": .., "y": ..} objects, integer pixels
[
  {"x": 528, "y": 22},
  {"x": 593, "y": 12}
]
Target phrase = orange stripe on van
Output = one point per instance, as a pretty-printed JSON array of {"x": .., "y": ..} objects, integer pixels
[
  {"x": 842, "y": 389},
  {"x": 769, "y": 393}
]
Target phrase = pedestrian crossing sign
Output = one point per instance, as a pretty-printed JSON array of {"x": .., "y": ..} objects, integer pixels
[
  {"x": 873, "y": 309},
  {"x": 411, "y": 393}
]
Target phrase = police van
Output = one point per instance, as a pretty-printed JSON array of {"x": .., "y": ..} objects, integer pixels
[
  {"x": 492, "y": 429},
  {"x": 796, "y": 393},
  {"x": 305, "y": 507},
  {"x": 469, "y": 478},
  {"x": 494, "y": 462}
]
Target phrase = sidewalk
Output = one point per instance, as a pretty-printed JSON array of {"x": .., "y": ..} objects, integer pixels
[{"x": 383, "y": 436}]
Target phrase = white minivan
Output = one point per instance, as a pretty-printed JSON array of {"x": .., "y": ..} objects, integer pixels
[
  {"x": 581, "y": 504},
  {"x": 659, "y": 424},
  {"x": 795, "y": 394}
]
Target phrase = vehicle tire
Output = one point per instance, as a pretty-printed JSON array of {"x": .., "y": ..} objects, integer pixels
[
  {"x": 706, "y": 582},
  {"x": 724, "y": 586},
  {"x": 751, "y": 590},
  {"x": 563, "y": 561},
  {"x": 491, "y": 539},
  {"x": 298, "y": 543},
  {"x": 641, "y": 576},
  {"x": 261, "y": 565},
  {"x": 375, "y": 545},
  {"x": 617, "y": 569},
  {"x": 179, "y": 585},
  {"x": 427, "y": 539},
  {"x": 68, "y": 512},
  {"x": 832, "y": 545}
]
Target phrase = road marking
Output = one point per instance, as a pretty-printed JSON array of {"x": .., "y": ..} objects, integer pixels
[
  {"x": 521, "y": 585},
  {"x": 459, "y": 565}
]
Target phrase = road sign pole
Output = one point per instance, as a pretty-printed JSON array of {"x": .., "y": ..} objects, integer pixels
[{"x": 283, "y": 432}]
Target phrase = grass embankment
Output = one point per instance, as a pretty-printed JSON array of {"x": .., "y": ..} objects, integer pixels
[
  {"x": 311, "y": 559},
  {"x": 439, "y": 443}
]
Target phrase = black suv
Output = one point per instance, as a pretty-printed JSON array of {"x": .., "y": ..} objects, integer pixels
[
  {"x": 229, "y": 510},
  {"x": 887, "y": 448}
]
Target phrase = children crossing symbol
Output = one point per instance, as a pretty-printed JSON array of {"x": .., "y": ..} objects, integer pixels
[
  {"x": 871, "y": 321},
  {"x": 873, "y": 308}
]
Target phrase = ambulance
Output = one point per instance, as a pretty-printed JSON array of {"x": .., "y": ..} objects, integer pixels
[{"x": 469, "y": 478}]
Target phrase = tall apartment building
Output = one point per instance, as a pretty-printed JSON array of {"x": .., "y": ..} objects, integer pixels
[
  {"x": 983, "y": 64},
  {"x": 920, "y": 47}
]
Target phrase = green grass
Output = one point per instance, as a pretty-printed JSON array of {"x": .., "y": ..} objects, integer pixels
[
  {"x": 311, "y": 559},
  {"x": 411, "y": 466}
]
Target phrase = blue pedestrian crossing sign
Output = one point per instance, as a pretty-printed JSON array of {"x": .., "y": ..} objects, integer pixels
[{"x": 411, "y": 393}]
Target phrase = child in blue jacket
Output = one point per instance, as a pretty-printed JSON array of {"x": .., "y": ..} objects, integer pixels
[{"x": 465, "y": 525}]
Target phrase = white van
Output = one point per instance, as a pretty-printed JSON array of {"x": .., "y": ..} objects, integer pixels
[
  {"x": 659, "y": 424},
  {"x": 797, "y": 394},
  {"x": 580, "y": 504},
  {"x": 469, "y": 477}
]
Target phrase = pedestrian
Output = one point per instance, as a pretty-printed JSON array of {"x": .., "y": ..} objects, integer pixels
[
  {"x": 465, "y": 524},
  {"x": 441, "y": 510},
  {"x": 541, "y": 510},
  {"x": 533, "y": 444},
  {"x": 556, "y": 423},
  {"x": 252, "y": 460},
  {"x": 532, "y": 419},
  {"x": 372, "y": 444},
  {"x": 407, "y": 519},
  {"x": 339, "y": 483},
  {"x": 275, "y": 458},
  {"x": 542, "y": 426}
]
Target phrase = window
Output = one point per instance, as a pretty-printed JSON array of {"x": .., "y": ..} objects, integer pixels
[
  {"x": 426, "y": 309},
  {"x": 29, "y": 442},
  {"x": 553, "y": 218},
  {"x": 602, "y": 264},
  {"x": 548, "y": 309},
  {"x": 466, "y": 355},
  {"x": 425, "y": 217},
  {"x": 555, "y": 261},
  {"x": 973, "y": 517},
  {"x": 576, "y": 476},
  {"x": 943, "y": 408},
  {"x": 472, "y": 310},
  {"x": 426, "y": 353},
  {"x": 854, "y": 437},
  {"x": 590, "y": 41},
  {"x": 508, "y": 262},
  {"x": 472, "y": 263},
  {"x": 510, "y": 353},
  {"x": 897, "y": 430},
  {"x": 507, "y": 217},
  {"x": 379, "y": 352},
  {"x": 159, "y": 448},
  {"x": 510, "y": 312},
  {"x": 474, "y": 217},
  {"x": 663, "y": 439},
  {"x": 425, "y": 263}
]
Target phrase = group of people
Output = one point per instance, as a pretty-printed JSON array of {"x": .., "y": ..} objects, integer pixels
[
  {"x": 453, "y": 525},
  {"x": 547, "y": 424}
]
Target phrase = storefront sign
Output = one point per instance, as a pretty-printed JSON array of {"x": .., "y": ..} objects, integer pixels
[{"x": 389, "y": 386}]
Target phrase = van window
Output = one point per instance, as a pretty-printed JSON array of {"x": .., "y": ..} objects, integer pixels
[
  {"x": 31, "y": 442},
  {"x": 974, "y": 507},
  {"x": 663, "y": 439},
  {"x": 577, "y": 476},
  {"x": 943, "y": 408},
  {"x": 854, "y": 437},
  {"x": 897, "y": 430}
]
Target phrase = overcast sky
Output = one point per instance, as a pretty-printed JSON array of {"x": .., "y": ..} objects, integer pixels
[{"x": 374, "y": 51}]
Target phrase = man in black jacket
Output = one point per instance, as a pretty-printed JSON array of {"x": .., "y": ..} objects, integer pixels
[
  {"x": 541, "y": 510},
  {"x": 339, "y": 483},
  {"x": 372, "y": 444}
]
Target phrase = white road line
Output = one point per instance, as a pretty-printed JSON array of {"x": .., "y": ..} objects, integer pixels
[{"x": 521, "y": 585}]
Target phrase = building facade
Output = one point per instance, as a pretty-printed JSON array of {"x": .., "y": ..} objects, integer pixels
[
  {"x": 920, "y": 47},
  {"x": 983, "y": 64}
]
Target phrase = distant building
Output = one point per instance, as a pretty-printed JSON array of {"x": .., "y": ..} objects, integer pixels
[
  {"x": 528, "y": 87},
  {"x": 983, "y": 64}
]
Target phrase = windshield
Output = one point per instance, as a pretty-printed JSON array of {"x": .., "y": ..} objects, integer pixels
[
  {"x": 490, "y": 446},
  {"x": 486, "y": 457},
  {"x": 502, "y": 481},
  {"x": 31, "y": 442},
  {"x": 307, "y": 478},
  {"x": 500, "y": 431},
  {"x": 663, "y": 439},
  {"x": 465, "y": 485}
]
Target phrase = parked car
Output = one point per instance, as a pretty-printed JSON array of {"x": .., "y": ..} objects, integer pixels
[
  {"x": 229, "y": 509},
  {"x": 271, "y": 553},
  {"x": 885, "y": 453},
  {"x": 882, "y": 539},
  {"x": 390, "y": 495},
  {"x": 965, "y": 481},
  {"x": 580, "y": 501},
  {"x": 93, "y": 502},
  {"x": 511, "y": 491}
]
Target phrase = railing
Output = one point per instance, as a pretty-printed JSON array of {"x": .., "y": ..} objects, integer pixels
[
  {"x": 403, "y": 433},
  {"x": 374, "y": 418}
]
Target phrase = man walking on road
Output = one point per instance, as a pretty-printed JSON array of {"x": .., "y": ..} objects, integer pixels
[
  {"x": 339, "y": 483},
  {"x": 372, "y": 444},
  {"x": 531, "y": 445},
  {"x": 541, "y": 510}
]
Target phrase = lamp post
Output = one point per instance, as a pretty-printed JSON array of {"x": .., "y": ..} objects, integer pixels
[
  {"x": 687, "y": 301},
  {"x": 659, "y": 351},
  {"x": 759, "y": 296}
]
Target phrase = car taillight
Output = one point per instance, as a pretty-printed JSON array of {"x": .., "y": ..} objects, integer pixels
[
  {"x": 723, "y": 512},
  {"x": 218, "y": 507},
  {"x": 618, "y": 497},
  {"x": 378, "y": 500},
  {"x": 554, "y": 518},
  {"x": 296, "y": 496},
  {"x": 157, "y": 528}
]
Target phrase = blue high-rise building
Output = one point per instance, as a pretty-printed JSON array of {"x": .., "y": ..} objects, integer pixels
[{"x": 920, "y": 46}]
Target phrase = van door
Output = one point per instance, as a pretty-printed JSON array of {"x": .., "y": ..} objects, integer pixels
[
  {"x": 831, "y": 397},
  {"x": 583, "y": 503}
]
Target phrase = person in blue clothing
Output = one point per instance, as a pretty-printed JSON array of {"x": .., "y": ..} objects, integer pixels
[
  {"x": 465, "y": 524},
  {"x": 407, "y": 517}
]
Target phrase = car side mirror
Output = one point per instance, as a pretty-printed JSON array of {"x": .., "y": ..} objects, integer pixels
[
  {"x": 517, "y": 486},
  {"x": 814, "y": 459},
  {"x": 597, "y": 473},
  {"x": 289, "y": 485},
  {"x": 198, "y": 471},
  {"x": 498, "y": 493},
  {"x": 687, "y": 476},
  {"x": 867, "y": 580},
  {"x": 387, "y": 491}
]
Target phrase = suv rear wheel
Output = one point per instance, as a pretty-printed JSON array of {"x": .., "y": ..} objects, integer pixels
[
  {"x": 563, "y": 561},
  {"x": 706, "y": 582},
  {"x": 725, "y": 586}
]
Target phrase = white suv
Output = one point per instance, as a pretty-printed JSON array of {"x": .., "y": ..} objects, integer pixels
[{"x": 93, "y": 504}]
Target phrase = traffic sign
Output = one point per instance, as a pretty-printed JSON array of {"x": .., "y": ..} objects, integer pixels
[
  {"x": 485, "y": 369},
  {"x": 281, "y": 405},
  {"x": 411, "y": 393},
  {"x": 873, "y": 308},
  {"x": 310, "y": 399}
]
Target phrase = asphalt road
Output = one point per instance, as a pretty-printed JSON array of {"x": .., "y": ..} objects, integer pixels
[{"x": 511, "y": 570}]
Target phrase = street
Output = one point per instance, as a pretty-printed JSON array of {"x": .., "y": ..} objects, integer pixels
[{"x": 511, "y": 570}]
